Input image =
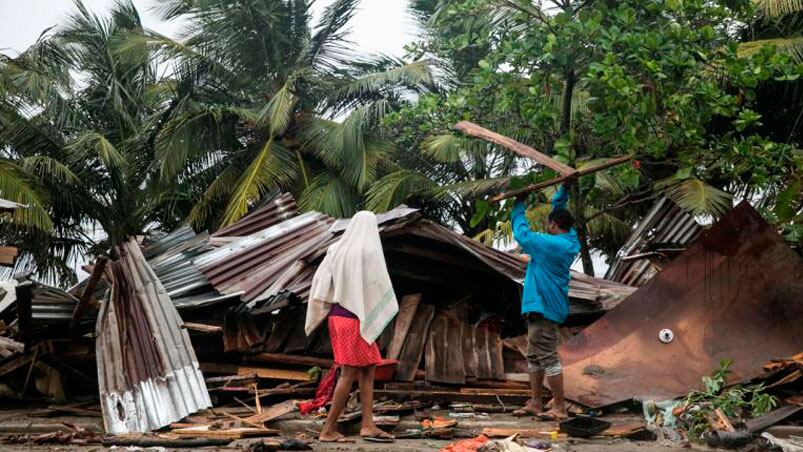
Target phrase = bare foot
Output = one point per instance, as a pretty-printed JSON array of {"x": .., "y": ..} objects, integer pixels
[
  {"x": 333, "y": 437},
  {"x": 532, "y": 408},
  {"x": 555, "y": 414}
]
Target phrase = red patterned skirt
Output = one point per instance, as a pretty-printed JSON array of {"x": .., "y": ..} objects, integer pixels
[{"x": 349, "y": 348}]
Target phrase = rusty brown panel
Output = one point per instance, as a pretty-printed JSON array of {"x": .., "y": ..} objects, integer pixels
[{"x": 736, "y": 293}]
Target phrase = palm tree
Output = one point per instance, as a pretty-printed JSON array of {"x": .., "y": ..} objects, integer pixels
[
  {"x": 263, "y": 99},
  {"x": 78, "y": 112}
]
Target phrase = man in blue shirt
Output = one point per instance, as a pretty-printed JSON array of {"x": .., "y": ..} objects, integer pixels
[{"x": 545, "y": 301}]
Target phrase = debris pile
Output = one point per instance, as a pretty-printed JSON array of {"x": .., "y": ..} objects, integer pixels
[{"x": 174, "y": 323}]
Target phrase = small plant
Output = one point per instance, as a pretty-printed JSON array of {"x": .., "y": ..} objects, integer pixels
[{"x": 736, "y": 402}]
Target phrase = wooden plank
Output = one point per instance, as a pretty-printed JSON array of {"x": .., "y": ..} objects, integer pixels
[
  {"x": 771, "y": 418},
  {"x": 8, "y": 255},
  {"x": 523, "y": 150},
  {"x": 452, "y": 396},
  {"x": 11, "y": 344},
  {"x": 469, "y": 351},
  {"x": 407, "y": 309},
  {"x": 545, "y": 433},
  {"x": 273, "y": 412},
  {"x": 14, "y": 363},
  {"x": 444, "y": 351},
  {"x": 559, "y": 180},
  {"x": 202, "y": 327},
  {"x": 295, "y": 360},
  {"x": 205, "y": 431},
  {"x": 413, "y": 349},
  {"x": 495, "y": 355},
  {"x": 260, "y": 372},
  {"x": 484, "y": 370},
  {"x": 86, "y": 295}
]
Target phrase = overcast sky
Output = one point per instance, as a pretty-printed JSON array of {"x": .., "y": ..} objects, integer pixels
[{"x": 379, "y": 26}]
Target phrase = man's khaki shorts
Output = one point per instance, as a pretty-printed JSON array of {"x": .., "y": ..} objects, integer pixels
[{"x": 543, "y": 338}]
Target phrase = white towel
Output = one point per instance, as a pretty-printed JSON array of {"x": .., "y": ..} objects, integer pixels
[{"x": 354, "y": 275}]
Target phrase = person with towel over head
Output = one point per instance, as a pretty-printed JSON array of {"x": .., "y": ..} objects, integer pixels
[{"x": 352, "y": 289}]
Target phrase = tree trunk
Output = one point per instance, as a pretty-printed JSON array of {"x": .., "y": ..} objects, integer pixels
[
  {"x": 579, "y": 202},
  {"x": 566, "y": 107},
  {"x": 582, "y": 231}
]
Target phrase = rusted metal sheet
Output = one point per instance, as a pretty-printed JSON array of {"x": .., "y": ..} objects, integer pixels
[
  {"x": 274, "y": 211},
  {"x": 736, "y": 293},
  {"x": 665, "y": 227},
  {"x": 147, "y": 370}
]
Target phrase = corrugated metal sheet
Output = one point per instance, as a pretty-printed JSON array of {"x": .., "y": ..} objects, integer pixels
[
  {"x": 147, "y": 370},
  {"x": 736, "y": 293},
  {"x": 667, "y": 226},
  {"x": 6, "y": 205},
  {"x": 284, "y": 255},
  {"x": 275, "y": 210}
]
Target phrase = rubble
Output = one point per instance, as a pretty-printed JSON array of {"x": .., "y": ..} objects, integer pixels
[{"x": 179, "y": 322}]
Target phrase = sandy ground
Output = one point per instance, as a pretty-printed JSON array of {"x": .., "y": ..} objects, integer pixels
[{"x": 19, "y": 421}]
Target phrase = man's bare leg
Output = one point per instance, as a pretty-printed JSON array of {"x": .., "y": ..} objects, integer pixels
[
  {"x": 558, "y": 409},
  {"x": 536, "y": 404},
  {"x": 339, "y": 399}
]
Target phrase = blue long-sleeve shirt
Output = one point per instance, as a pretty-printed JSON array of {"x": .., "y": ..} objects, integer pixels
[{"x": 546, "y": 284}]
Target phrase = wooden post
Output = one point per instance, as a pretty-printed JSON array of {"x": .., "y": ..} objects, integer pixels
[{"x": 91, "y": 285}]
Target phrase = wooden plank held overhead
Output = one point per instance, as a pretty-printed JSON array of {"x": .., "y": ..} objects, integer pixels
[
  {"x": 590, "y": 169},
  {"x": 473, "y": 130}
]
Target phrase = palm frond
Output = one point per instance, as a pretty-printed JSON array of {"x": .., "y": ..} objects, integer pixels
[
  {"x": 272, "y": 167},
  {"x": 391, "y": 74},
  {"x": 395, "y": 188},
  {"x": 47, "y": 169},
  {"x": 793, "y": 47},
  {"x": 326, "y": 47},
  {"x": 15, "y": 187},
  {"x": 777, "y": 8},
  {"x": 278, "y": 113},
  {"x": 330, "y": 194},
  {"x": 446, "y": 148},
  {"x": 697, "y": 197},
  {"x": 216, "y": 192},
  {"x": 93, "y": 144}
]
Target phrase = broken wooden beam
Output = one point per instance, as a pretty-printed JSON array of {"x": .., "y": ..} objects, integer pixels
[
  {"x": 260, "y": 372},
  {"x": 296, "y": 360},
  {"x": 202, "y": 327},
  {"x": 453, "y": 396},
  {"x": 86, "y": 296},
  {"x": 559, "y": 180},
  {"x": 471, "y": 129}
]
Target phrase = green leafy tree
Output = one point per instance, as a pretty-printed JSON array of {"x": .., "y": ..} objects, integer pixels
[
  {"x": 661, "y": 81},
  {"x": 76, "y": 119}
]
